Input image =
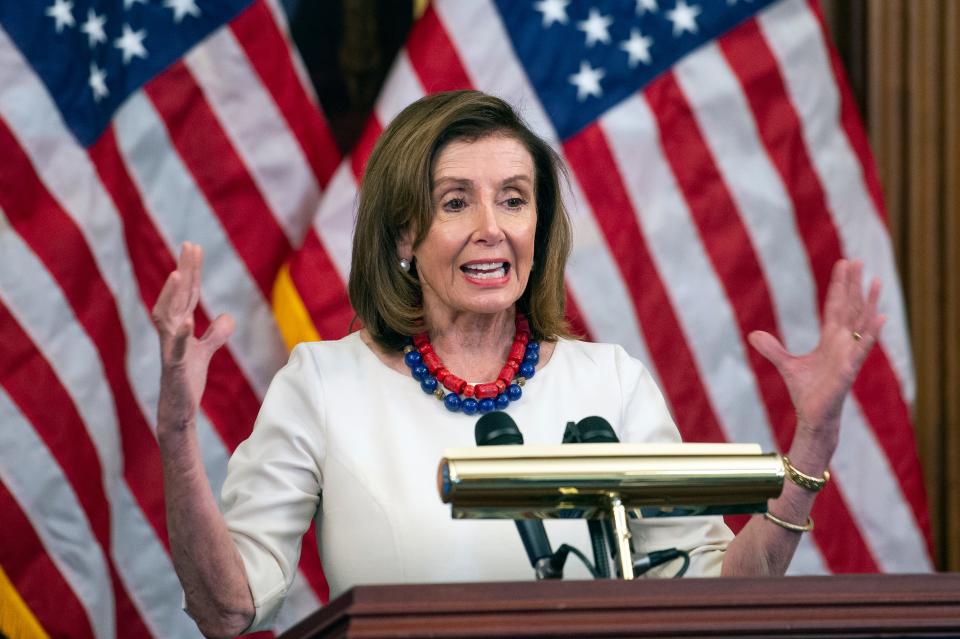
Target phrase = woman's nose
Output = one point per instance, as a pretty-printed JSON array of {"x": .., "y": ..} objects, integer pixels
[{"x": 488, "y": 224}]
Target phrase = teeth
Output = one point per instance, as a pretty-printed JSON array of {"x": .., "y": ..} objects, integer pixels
[{"x": 485, "y": 267}]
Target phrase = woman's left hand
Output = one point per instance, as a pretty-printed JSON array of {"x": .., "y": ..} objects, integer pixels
[{"x": 819, "y": 381}]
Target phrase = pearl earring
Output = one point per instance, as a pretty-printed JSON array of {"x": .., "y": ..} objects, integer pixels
[{"x": 405, "y": 264}]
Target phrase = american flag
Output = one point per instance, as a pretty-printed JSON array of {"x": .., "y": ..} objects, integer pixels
[
  {"x": 125, "y": 129},
  {"x": 718, "y": 169}
]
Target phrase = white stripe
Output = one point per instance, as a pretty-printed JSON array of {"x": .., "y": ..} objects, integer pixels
[
  {"x": 592, "y": 273},
  {"x": 875, "y": 497},
  {"x": 765, "y": 209},
  {"x": 401, "y": 88},
  {"x": 697, "y": 297},
  {"x": 45, "y": 496},
  {"x": 180, "y": 212},
  {"x": 335, "y": 219},
  {"x": 793, "y": 35},
  {"x": 38, "y": 305},
  {"x": 807, "y": 560},
  {"x": 258, "y": 132}
]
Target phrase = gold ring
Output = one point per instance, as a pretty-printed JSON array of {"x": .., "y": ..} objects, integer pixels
[{"x": 857, "y": 336}]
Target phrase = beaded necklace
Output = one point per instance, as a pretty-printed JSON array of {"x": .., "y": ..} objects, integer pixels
[{"x": 426, "y": 368}]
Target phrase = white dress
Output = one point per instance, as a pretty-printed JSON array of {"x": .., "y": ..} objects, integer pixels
[{"x": 348, "y": 440}]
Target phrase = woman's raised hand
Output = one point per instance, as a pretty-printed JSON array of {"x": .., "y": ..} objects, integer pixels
[
  {"x": 819, "y": 381},
  {"x": 184, "y": 358}
]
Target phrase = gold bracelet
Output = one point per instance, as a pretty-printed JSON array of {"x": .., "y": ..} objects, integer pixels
[
  {"x": 803, "y": 480},
  {"x": 797, "y": 528}
]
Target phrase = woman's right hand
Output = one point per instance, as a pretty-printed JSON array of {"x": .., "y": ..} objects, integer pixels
[{"x": 184, "y": 358}]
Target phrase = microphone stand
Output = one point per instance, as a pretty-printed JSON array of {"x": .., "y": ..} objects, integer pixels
[{"x": 622, "y": 534}]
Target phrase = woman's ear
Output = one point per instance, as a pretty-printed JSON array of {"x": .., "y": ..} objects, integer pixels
[{"x": 405, "y": 246}]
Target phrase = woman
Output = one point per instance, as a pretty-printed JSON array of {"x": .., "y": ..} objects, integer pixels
[{"x": 457, "y": 277}]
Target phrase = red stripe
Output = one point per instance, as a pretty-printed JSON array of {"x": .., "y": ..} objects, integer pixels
[
  {"x": 220, "y": 174},
  {"x": 310, "y": 564},
  {"x": 590, "y": 158},
  {"x": 364, "y": 147},
  {"x": 319, "y": 285},
  {"x": 852, "y": 124},
  {"x": 267, "y": 50},
  {"x": 779, "y": 127},
  {"x": 58, "y": 243},
  {"x": 229, "y": 400},
  {"x": 728, "y": 245},
  {"x": 34, "y": 388},
  {"x": 724, "y": 239},
  {"x": 37, "y": 580},
  {"x": 433, "y": 56}
]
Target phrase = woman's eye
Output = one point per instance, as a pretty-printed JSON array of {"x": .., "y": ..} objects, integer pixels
[
  {"x": 515, "y": 202},
  {"x": 455, "y": 204}
]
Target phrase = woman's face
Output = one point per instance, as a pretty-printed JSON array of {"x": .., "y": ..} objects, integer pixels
[{"x": 477, "y": 255}]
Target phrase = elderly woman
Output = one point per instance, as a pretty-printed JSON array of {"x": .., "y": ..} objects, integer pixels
[{"x": 457, "y": 278}]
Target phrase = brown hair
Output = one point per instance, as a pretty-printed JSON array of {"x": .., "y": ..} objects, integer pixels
[{"x": 396, "y": 196}]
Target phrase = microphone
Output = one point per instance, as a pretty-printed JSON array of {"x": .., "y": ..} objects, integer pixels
[
  {"x": 595, "y": 430},
  {"x": 498, "y": 429}
]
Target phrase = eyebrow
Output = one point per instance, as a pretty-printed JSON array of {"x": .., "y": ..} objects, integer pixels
[{"x": 446, "y": 182}]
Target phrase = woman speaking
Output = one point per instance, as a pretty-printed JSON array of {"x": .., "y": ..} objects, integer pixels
[{"x": 457, "y": 279}]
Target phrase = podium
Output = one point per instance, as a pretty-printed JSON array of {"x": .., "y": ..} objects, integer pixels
[{"x": 834, "y": 606}]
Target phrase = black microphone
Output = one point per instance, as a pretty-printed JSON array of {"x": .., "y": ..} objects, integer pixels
[
  {"x": 498, "y": 429},
  {"x": 595, "y": 430}
]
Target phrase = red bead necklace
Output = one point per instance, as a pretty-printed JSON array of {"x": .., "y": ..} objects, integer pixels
[{"x": 480, "y": 391}]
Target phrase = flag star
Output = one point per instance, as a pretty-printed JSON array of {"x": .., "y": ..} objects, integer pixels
[
  {"x": 553, "y": 11},
  {"x": 131, "y": 43},
  {"x": 182, "y": 7},
  {"x": 62, "y": 13},
  {"x": 596, "y": 27},
  {"x": 587, "y": 81},
  {"x": 637, "y": 47},
  {"x": 646, "y": 5},
  {"x": 683, "y": 17},
  {"x": 98, "y": 82},
  {"x": 129, "y": 3},
  {"x": 93, "y": 27}
]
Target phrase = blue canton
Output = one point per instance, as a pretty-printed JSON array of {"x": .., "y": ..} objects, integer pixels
[
  {"x": 584, "y": 57},
  {"x": 92, "y": 54}
]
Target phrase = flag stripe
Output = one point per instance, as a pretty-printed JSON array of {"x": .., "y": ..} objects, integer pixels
[
  {"x": 255, "y": 129},
  {"x": 704, "y": 313},
  {"x": 39, "y": 220},
  {"x": 35, "y": 389},
  {"x": 264, "y": 43},
  {"x": 197, "y": 134},
  {"x": 668, "y": 348},
  {"x": 312, "y": 273},
  {"x": 37, "y": 579},
  {"x": 434, "y": 56},
  {"x": 724, "y": 239},
  {"x": 850, "y": 118}
]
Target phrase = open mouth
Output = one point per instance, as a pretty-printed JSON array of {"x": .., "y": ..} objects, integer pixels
[{"x": 486, "y": 270}]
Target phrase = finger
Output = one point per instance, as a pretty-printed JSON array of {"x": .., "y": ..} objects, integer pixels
[
  {"x": 770, "y": 347},
  {"x": 836, "y": 291},
  {"x": 218, "y": 333},
  {"x": 854, "y": 305},
  {"x": 161, "y": 308},
  {"x": 873, "y": 299},
  {"x": 196, "y": 270},
  {"x": 180, "y": 299}
]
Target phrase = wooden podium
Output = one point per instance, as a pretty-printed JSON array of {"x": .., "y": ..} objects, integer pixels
[{"x": 836, "y": 606}]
